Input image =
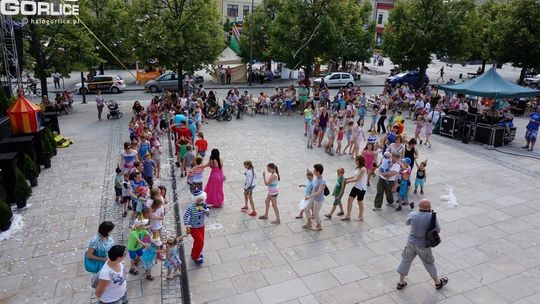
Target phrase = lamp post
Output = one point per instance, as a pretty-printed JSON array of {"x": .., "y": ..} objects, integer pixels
[{"x": 251, "y": 44}]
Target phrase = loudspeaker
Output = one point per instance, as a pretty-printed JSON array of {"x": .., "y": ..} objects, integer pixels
[
  {"x": 497, "y": 136},
  {"x": 448, "y": 126},
  {"x": 482, "y": 134}
]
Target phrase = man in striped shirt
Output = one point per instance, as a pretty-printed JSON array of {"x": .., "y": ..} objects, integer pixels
[{"x": 194, "y": 218}]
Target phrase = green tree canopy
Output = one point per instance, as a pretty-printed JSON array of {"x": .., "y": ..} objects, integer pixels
[
  {"x": 111, "y": 22},
  {"x": 63, "y": 47},
  {"x": 417, "y": 29},
  {"x": 184, "y": 35},
  {"x": 516, "y": 34}
]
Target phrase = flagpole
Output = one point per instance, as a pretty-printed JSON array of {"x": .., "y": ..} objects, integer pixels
[{"x": 251, "y": 44}]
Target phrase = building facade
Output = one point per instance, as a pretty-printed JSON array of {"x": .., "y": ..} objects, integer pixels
[
  {"x": 381, "y": 10},
  {"x": 235, "y": 10}
]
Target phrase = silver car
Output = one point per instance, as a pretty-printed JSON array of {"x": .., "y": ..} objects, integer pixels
[
  {"x": 337, "y": 79},
  {"x": 167, "y": 81}
]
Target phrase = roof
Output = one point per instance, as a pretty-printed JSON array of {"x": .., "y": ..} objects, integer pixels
[
  {"x": 228, "y": 56},
  {"x": 23, "y": 105},
  {"x": 491, "y": 85}
]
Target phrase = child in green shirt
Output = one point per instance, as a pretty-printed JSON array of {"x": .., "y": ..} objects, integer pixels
[
  {"x": 338, "y": 193},
  {"x": 135, "y": 244}
]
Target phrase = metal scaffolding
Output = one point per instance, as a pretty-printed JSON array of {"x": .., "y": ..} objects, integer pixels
[{"x": 9, "y": 51}]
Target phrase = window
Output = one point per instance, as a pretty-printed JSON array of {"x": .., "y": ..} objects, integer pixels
[
  {"x": 232, "y": 10},
  {"x": 335, "y": 76},
  {"x": 380, "y": 19},
  {"x": 345, "y": 76},
  {"x": 246, "y": 10}
]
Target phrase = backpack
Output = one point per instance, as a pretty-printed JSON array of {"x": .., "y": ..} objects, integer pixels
[
  {"x": 432, "y": 236},
  {"x": 326, "y": 191}
]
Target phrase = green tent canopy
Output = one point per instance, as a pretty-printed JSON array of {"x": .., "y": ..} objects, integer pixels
[{"x": 491, "y": 85}]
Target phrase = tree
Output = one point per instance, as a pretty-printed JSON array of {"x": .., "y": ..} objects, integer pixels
[
  {"x": 516, "y": 34},
  {"x": 417, "y": 29},
  {"x": 302, "y": 32},
  {"x": 63, "y": 47},
  {"x": 110, "y": 21},
  {"x": 263, "y": 15},
  {"x": 354, "y": 33},
  {"x": 481, "y": 44},
  {"x": 184, "y": 35}
]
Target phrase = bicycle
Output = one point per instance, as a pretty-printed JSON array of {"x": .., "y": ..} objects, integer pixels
[{"x": 29, "y": 90}]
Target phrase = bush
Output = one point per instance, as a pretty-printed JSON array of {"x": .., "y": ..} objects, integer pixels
[
  {"x": 22, "y": 190},
  {"x": 28, "y": 167},
  {"x": 5, "y": 214},
  {"x": 5, "y": 102},
  {"x": 49, "y": 145}
]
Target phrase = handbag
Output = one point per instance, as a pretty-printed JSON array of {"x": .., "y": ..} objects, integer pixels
[
  {"x": 326, "y": 191},
  {"x": 93, "y": 266},
  {"x": 432, "y": 236}
]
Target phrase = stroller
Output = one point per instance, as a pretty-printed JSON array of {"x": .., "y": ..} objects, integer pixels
[{"x": 114, "y": 110}]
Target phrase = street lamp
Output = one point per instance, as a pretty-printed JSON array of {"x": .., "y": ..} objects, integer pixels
[{"x": 251, "y": 45}]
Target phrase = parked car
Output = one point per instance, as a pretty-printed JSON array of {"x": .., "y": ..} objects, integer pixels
[
  {"x": 532, "y": 80},
  {"x": 410, "y": 77},
  {"x": 337, "y": 79},
  {"x": 168, "y": 81},
  {"x": 104, "y": 83}
]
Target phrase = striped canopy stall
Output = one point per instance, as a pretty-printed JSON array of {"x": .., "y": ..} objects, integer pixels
[{"x": 25, "y": 116}]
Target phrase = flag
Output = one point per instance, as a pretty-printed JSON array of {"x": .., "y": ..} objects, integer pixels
[
  {"x": 234, "y": 45},
  {"x": 236, "y": 32}
]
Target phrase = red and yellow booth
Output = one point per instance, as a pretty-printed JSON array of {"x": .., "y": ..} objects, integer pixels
[{"x": 25, "y": 116}]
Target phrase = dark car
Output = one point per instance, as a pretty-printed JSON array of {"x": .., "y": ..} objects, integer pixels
[{"x": 410, "y": 78}]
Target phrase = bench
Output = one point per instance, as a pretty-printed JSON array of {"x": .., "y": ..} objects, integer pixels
[{"x": 472, "y": 75}]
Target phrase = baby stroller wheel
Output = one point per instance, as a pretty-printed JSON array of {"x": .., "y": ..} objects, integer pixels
[
  {"x": 108, "y": 116},
  {"x": 120, "y": 114},
  {"x": 228, "y": 117}
]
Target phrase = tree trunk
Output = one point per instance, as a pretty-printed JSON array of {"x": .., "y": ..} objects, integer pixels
[
  {"x": 102, "y": 69},
  {"x": 35, "y": 47},
  {"x": 343, "y": 64},
  {"x": 421, "y": 74},
  {"x": 308, "y": 70},
  {"x": 483, "y": 66},
  {"x": 180, "y": 79},
  {"x": 522, "y": 74}
]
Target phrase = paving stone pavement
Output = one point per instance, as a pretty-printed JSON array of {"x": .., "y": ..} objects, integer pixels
[{"x": 490, "y": 248}]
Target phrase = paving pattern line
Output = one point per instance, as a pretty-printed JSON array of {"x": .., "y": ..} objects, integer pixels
[
  {"x": 109, "y": 209},
  {"x": 175, "y": 291}
]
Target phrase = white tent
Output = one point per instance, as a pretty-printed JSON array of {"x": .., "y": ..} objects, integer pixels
[{"x": 229, "y": 58}]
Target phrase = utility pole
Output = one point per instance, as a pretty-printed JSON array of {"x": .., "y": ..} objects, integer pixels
[{"x": 251, "y": 25}]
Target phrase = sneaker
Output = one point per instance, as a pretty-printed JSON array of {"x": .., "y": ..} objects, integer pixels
[
  {"x": 328, "y": 216},
  {"x": 124, "y": 214},
  {"x": 376, "y": 209},
  {"x": 133, "y": 271},
  {"x": 421, "y": 141},
  {"x": 415, "y": 191},
  {"x": 530, "y": 149},
  {"x": 253, "y": 213},
  {"x": 273, "y": 113},
  {"x": 525, "y": 147},
  {"x": 389, "y": 204},
  {"x": 341, "y": 213},
  {"x": 412, "y": 205},
  {"x": 421, "y": 191},
  {"x": 398, "y": 208}
]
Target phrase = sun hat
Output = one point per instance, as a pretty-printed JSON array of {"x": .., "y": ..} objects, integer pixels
[{"x": 139, "y": 223}]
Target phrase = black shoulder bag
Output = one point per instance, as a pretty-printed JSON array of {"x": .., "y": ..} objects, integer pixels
[{"x": 432, "y": 236}]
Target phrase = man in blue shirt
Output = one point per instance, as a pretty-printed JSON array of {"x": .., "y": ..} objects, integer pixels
[{"x": 532, "y": 129}]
